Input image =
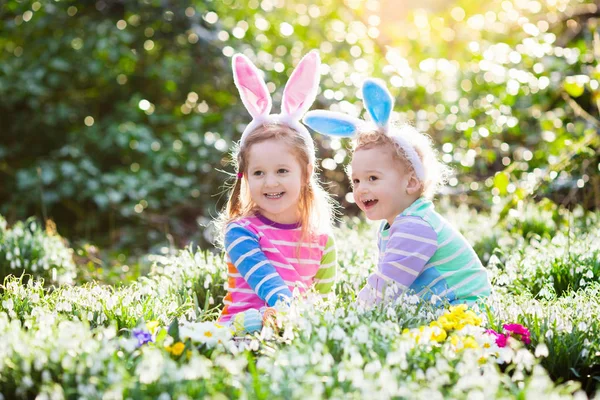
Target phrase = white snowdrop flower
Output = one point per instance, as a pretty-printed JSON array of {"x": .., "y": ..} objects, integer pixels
[
  {"x": 372, "y": 367},
  {"x": 356, "y": 359},
  {"x": 589, "y": 274},
  {"x": 27, "y": 382},
  {"x": 322, "y": 333},
  {"x": 541, "y": 350},
  {"x": 129, "y": 344},
  {"x": 234, "y": 366},
  {"x": 198, "y": 368},
  {"x": 35, "y": 298},
  {"x": 150, "y": 367},
  {"x": 419, "y": 374},
  {"x": 288, "y": 333},
  {"x": 361, "y": 334},
  {"x": 8, "y": 304},
  {"x": 337, "y": 333}
]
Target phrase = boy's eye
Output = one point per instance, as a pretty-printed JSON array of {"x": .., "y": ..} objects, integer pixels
[
  {"x": 282, "y": 171},
  {"x": 372, "y": 178},
  {"x": 355, "y": 181}
]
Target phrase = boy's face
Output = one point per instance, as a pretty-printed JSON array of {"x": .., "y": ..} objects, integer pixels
[
  {"x": 275, "y": 180},
  {"x": 380, "y": 183}
]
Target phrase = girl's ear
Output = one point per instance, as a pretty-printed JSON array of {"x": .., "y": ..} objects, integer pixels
[{"x": 309, "y": 173}]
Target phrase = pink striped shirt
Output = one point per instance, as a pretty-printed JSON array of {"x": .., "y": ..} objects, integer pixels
[{"x": 254, "y": 246}]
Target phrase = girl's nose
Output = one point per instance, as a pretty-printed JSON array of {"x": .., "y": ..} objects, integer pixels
[{"x": 271, "y": 180}]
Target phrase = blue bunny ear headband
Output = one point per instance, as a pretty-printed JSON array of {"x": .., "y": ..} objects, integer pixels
[{"x": 379, "y": 103}]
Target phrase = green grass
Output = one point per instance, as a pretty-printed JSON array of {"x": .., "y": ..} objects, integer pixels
[{"x": 75, "y": 340}]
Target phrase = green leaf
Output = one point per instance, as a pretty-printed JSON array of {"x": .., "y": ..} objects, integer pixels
[
  {"x": 174, "y": 330},
  {"x": 161, "y": 336}
]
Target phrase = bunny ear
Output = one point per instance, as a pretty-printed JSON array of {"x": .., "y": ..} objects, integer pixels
[
  {"x": 331, "y": 123},
  {"x": 378, "y": 101},
  {"x": 301, "y": 89},
  {"x": 251, "y": 85}
]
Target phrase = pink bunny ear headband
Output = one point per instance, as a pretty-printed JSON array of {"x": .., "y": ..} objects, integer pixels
[
  {"x": 379, "y": 103},
  {"x": 299, "y": 94}
]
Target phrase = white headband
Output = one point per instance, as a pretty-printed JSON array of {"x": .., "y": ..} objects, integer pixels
[{"x": 379, "y": 103}]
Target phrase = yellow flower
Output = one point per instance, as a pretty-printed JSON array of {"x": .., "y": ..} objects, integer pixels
[
  {"x": 437, "y": 332},
  {"x": 458, "y": 309},
  {"x": 457, "y": 317},
  {"x": 455, "y": 340},
  {"x": 176, "y": 349},
  {"x": 151, "y": 326},
  {"x": 446, "y": 322},
  {"x": 470, "y": 343}
]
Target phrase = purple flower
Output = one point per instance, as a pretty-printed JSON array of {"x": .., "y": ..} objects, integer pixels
[
  {"x": 142, "y": 336},
  {"x": 518, "y": 331}
]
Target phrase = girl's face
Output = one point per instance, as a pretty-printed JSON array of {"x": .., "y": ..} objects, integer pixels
[
  {"x": 275, "y": 179},
  {"x": 382, "y": 186}
]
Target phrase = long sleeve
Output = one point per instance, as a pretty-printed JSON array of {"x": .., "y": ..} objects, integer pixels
[
  {"x": 326, "y": 275},
  {"x": 412, "y": 242},
  {"x": 245, "y": 253}
]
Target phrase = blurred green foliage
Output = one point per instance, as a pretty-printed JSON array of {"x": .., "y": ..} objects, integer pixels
[{"x": 117, "y": 116}]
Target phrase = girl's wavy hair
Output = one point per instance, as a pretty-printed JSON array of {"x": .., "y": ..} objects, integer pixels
[
  {"x": 315, "y": 204},
  {"x": 436, "y": 172}
]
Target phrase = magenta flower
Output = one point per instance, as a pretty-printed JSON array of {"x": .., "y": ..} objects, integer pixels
[
  {"x": 518, "y": 331},
  {"x": 501, "y": 338}
]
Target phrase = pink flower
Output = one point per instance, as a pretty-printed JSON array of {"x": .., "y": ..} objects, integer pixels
[
  {"x": 501, "y": 338},
  {"x": 518, "y": 331}
]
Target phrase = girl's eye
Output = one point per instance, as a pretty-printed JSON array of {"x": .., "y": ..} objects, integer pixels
[
  {"x": 257, "y": 173},
  {"x": 372, "y": 178},
  {"x": 282, "y": 171},
  {"x": 355, "y": 181}
]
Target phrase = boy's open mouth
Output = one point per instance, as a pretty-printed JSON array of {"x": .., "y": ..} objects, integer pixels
[
  {"x": 370, "y": 202},
  {"x": 274, "y": 195}
]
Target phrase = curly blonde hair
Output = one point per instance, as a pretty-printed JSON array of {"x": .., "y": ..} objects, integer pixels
[{"x": 436, "y": 172}]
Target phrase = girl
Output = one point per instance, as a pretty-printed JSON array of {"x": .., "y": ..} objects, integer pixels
[
  {"x": 395, "y": 174},
  {"x": 277, "y": 220}
]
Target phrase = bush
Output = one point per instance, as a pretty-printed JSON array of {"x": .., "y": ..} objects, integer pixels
[
  {"x": 117, "y": 116},
  {"x": 27, "y": 248}
]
